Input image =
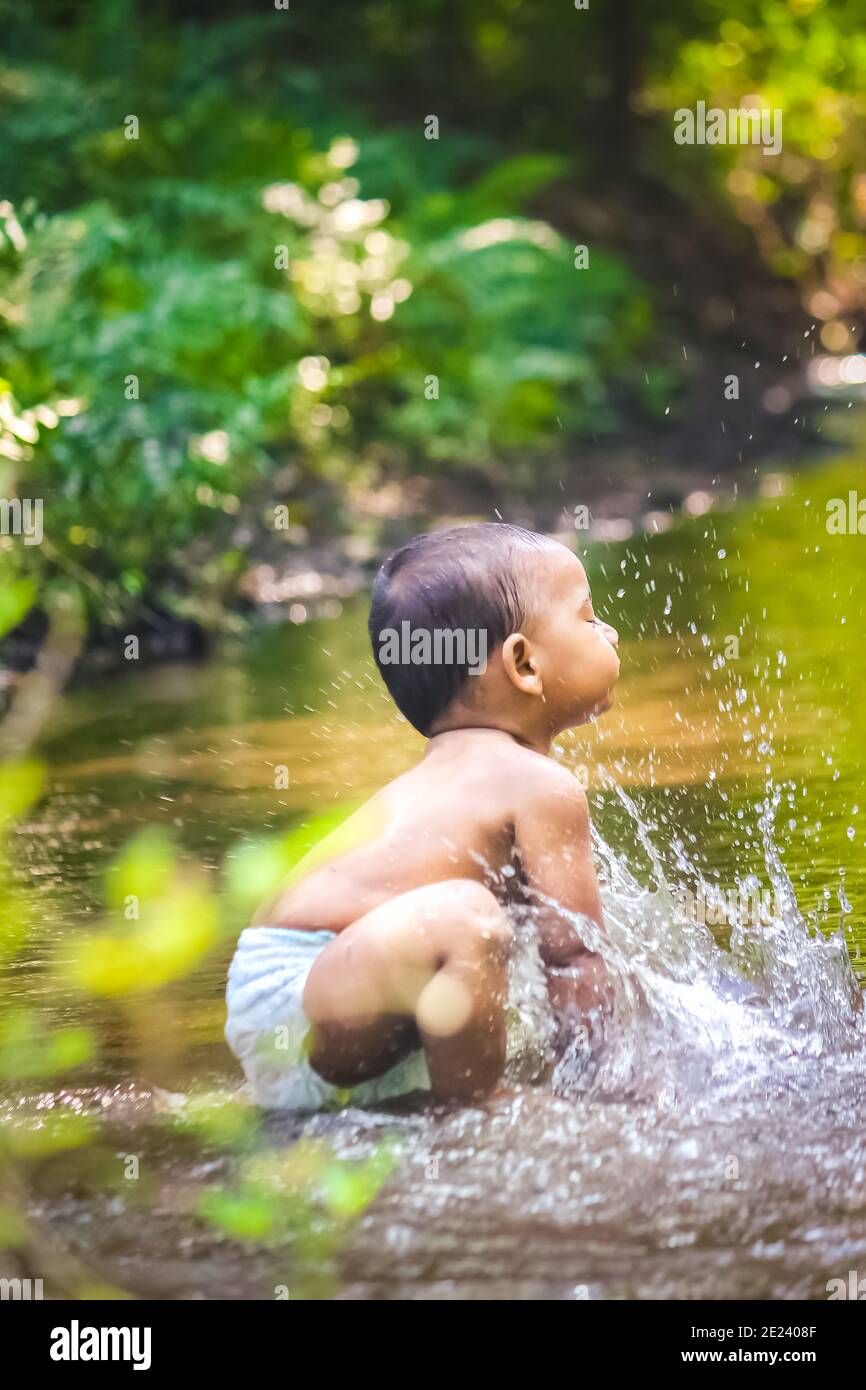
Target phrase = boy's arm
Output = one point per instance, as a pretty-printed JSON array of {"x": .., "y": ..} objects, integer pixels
[{"x": 552, "y": 831}]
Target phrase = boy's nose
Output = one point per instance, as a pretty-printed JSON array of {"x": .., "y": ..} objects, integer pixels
[{"x": 611, "y": 634}]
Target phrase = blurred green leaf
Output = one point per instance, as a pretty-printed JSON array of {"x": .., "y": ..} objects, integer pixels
[
  {"x": 349, "y": 1188},
  {"x": 49, "y": 1132},
  {"x": 142, "y": 871},
  {"x": 250, "y": 1216},
  {"x": 172, "y": 936},
  {"x": 13, "y": 1227},
  {"x": 28, "y": 1051},
  {"x": 21, "y": 785},
  {"x": 217, "y": 1119},
  {"x": 16, "y": 599}
]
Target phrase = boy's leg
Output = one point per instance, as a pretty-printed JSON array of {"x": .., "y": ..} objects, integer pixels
[{"x": 429, "y": 968}]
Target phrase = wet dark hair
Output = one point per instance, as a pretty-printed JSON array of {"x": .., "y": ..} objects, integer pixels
[{"x": 468, "y": 578}]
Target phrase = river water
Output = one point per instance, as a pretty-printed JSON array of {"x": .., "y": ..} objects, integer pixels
[{"x": 716, "y": 1145}]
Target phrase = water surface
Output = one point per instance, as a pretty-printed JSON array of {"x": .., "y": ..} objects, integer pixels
[{"x": 716, "y": 1148}]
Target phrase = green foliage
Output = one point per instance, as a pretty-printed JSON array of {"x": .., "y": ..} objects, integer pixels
[
  {"x": 158, "y": 938},
  {"x": 16, "y": 600},
  {"x": 304, "y": 1193},
  {"x": 272, "y": 287},
  {"x": 807, "y": 59},
  {"x": 57, "y": 1132},
  {"x": 161, "y": 921},
  {"x": 21, "y": 783},
  {"x": 20, "y": 787},
  {"x": 216, "y": 1119},
  {"x": 26, "y": 1052},
  {"x": 245, "y": 285}
]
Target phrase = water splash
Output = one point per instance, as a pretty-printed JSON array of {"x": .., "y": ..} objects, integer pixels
[{"x": 698, "y": 1024}]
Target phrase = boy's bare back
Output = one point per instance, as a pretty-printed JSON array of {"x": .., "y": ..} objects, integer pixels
[{"x": 478, "y": 806}]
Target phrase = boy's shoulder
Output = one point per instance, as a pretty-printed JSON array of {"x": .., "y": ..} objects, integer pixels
[
  {"x": 551, "y": 806},
  {"x": 543, "y": 779},
  {"x": 509, "y": 778},
  {"x": 550, "y": 779}
]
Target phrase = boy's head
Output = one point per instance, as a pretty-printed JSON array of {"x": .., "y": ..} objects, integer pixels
[{"x": 490, "y": 625}]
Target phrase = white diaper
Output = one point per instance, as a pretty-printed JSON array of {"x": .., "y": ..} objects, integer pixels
[{"x": 267, "y": 1029}]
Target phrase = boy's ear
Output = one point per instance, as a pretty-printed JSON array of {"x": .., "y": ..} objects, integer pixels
[{"x": 521, "y": 665}]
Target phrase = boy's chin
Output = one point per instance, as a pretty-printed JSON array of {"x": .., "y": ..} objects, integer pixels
[
  {"x": 586, "y": 716},
  {"x": 602, "y": 707}
]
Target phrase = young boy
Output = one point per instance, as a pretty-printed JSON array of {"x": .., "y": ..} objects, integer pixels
[{"x": 386, "y": 966}]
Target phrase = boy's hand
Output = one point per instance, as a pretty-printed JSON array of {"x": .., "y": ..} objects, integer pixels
[
  {"x": 580, "y": 988},
  {"x": 581, "y": 997}
]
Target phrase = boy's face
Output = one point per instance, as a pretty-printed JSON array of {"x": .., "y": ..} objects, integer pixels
[{"x": 575, "y": 650}]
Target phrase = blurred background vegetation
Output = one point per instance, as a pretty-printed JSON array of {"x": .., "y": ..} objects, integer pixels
[{"x": 231, "y": 264}]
